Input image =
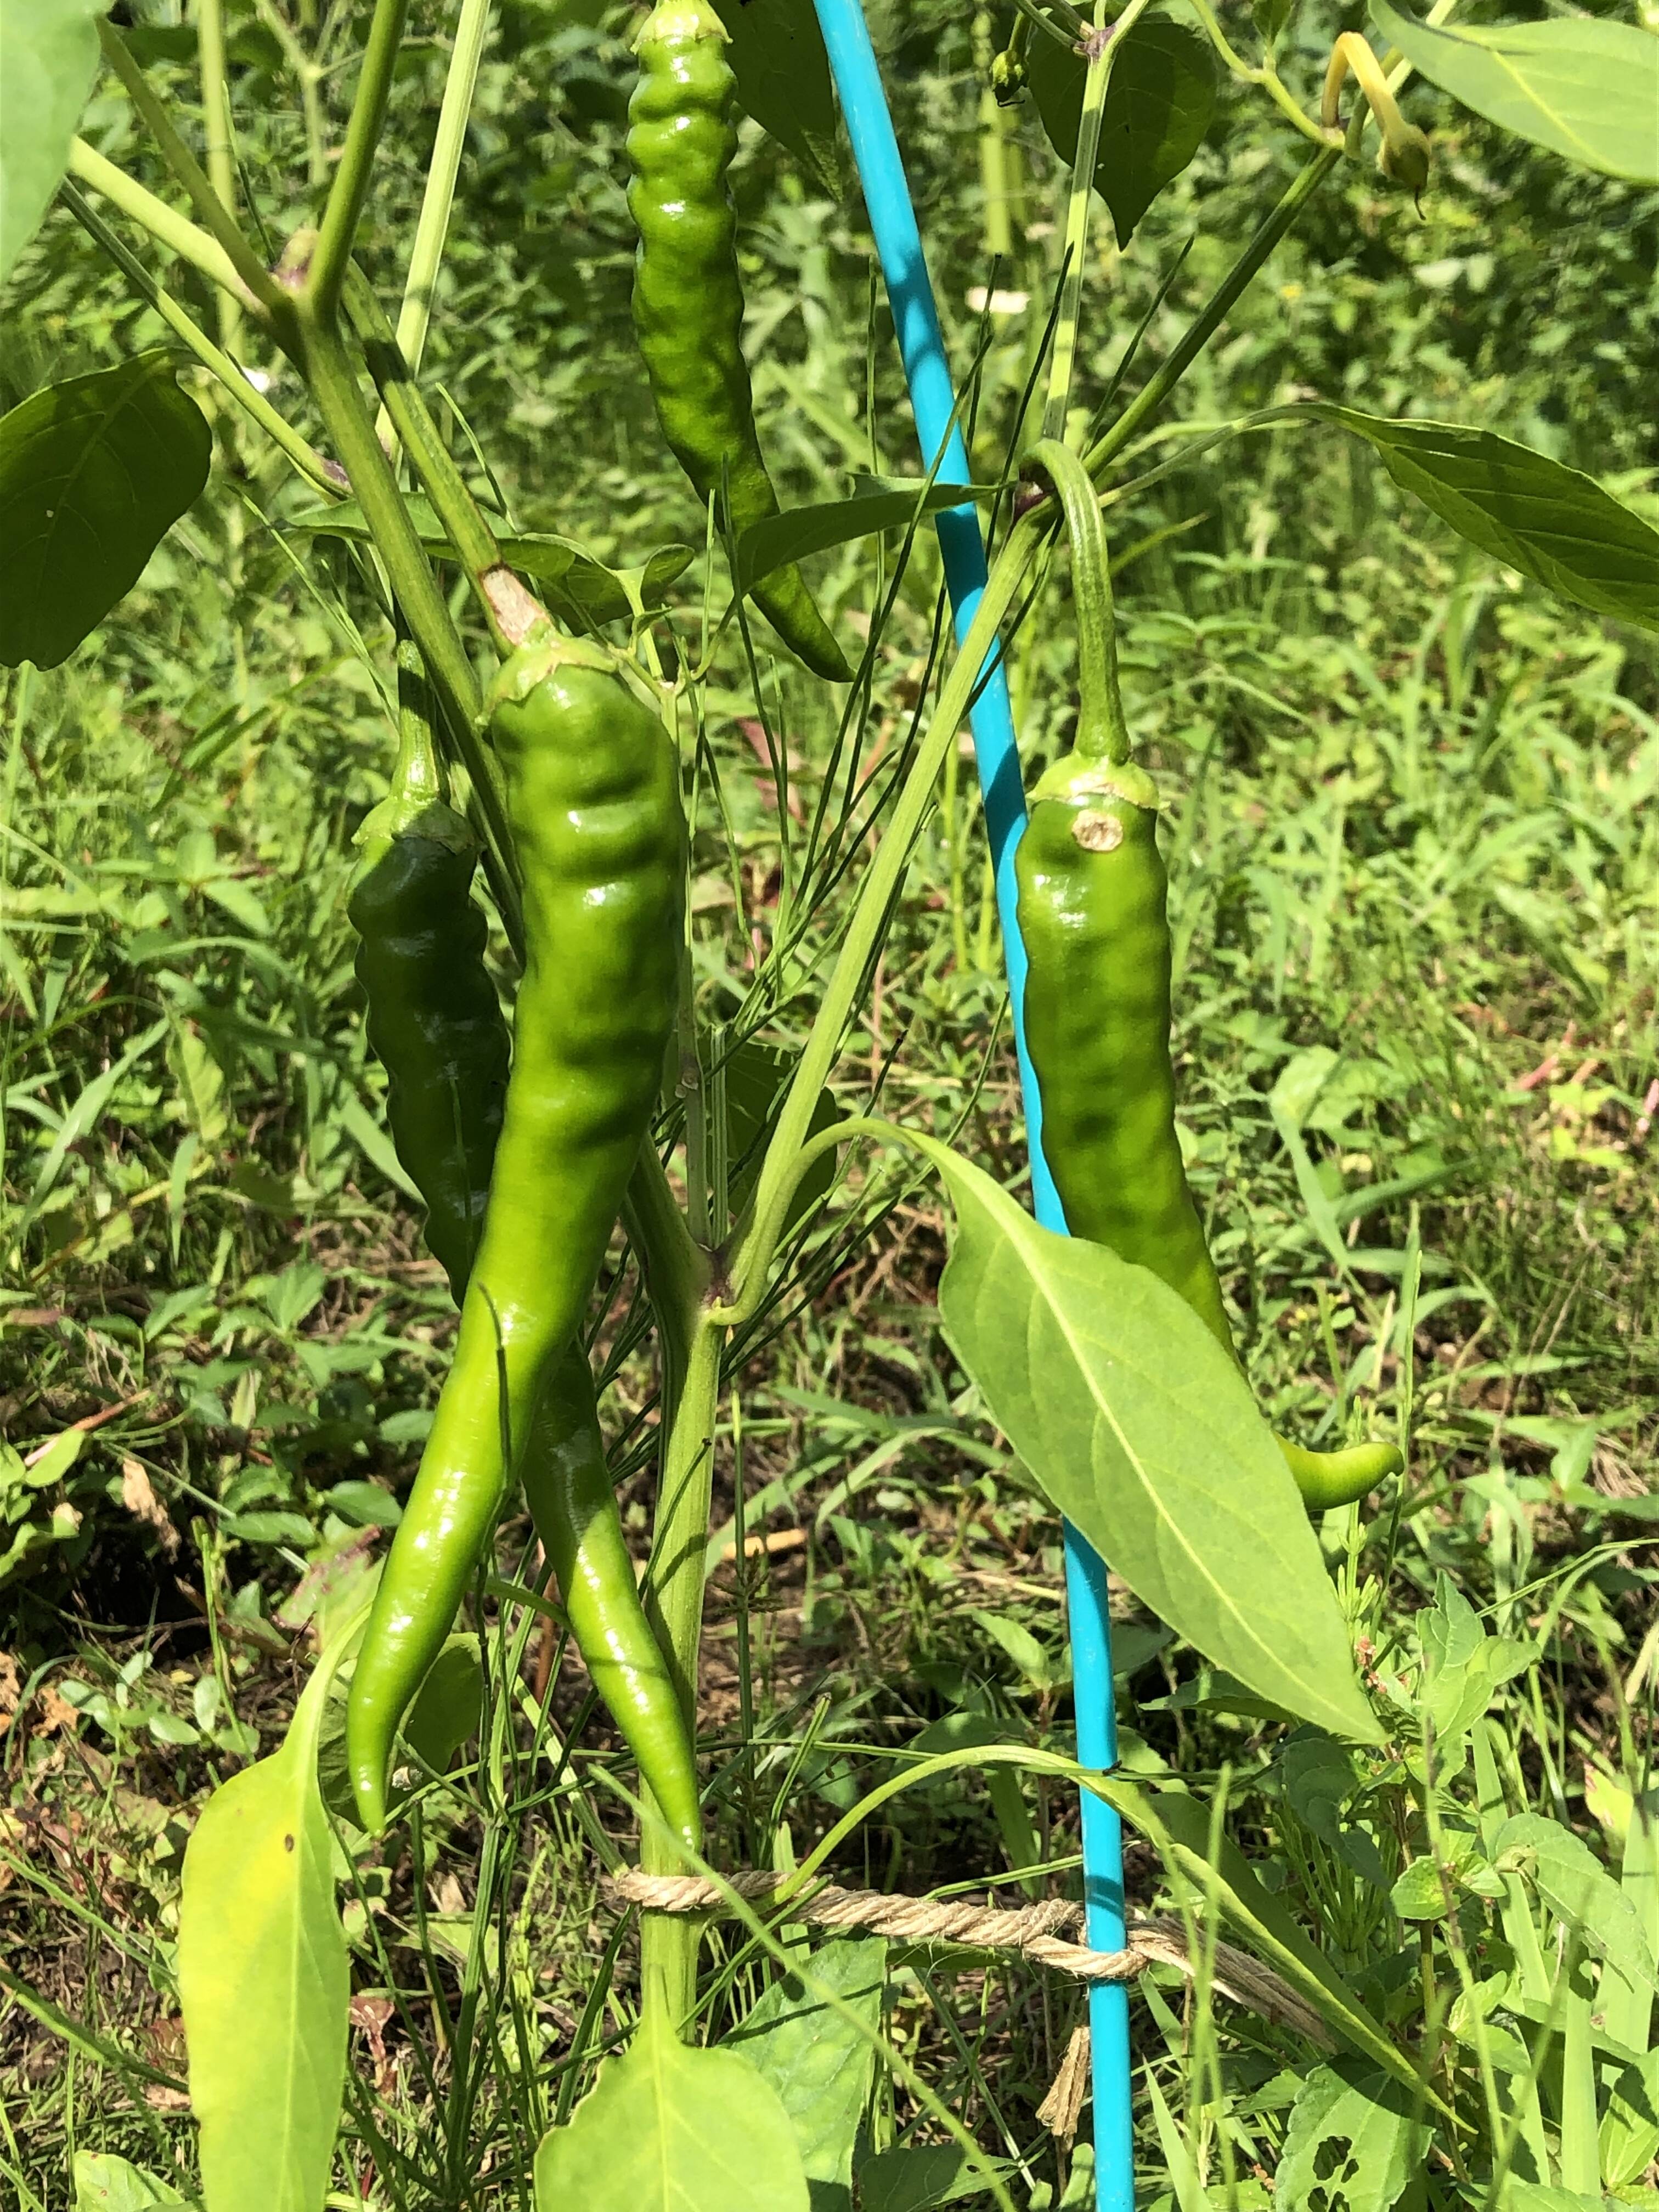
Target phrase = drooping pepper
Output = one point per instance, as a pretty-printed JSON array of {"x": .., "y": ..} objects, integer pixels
[
  {"x": 687, "y": 294},
  {"x": 434, "y": 1018},
  {"x": 573, "y": 1502},
  {"x": 594, "y": 804},
  {"x": 1093, "y": 913}
]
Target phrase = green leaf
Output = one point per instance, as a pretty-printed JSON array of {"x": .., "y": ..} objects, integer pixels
[
  {"x": 817, "y": 2061},
  {"x": 1552, "y": 523},
  {"x": 1578, "y": 1889},
  {"x": 94, "y": 473},
  {"x": 1353, "y": 2144},
  {"x": 1464, "y": 1667},
  {"x": 1019, "y": 1644},
  {"x": 1585, "y": 87},
  {"x": 755, "y": 1074},
  {"x": 264, "y": 1981},
  {"x": 917, "y": 2178},
  {"x": 669, "y": 2129},
  {"x": 449, "y": 1705},
  {"x": 1317, "y": 1776},
  {"x": 573, "y": 579},
  {"x": 1420, "y": 1893},
  {"x": 1160, "y": 100},
  {"x": 50, "y": 49},
  {"x": 777, "y": 55},
  {"x": 1143, "y": 1431},
  {"x": 878, "y": 504},
  {"x": 108, "y": 2184}
]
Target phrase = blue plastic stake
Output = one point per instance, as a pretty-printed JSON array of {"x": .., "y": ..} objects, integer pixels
[{"x": 898, "y": 243}]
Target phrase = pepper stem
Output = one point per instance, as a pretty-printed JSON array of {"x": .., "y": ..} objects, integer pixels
[{"x": 1102, "y": 732}]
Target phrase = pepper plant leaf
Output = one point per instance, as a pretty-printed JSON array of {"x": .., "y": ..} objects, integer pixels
[
  {"x": 264, "y": 1977},
  {"x": 1143, "y": 1433},
  {"x": 876, "y": 505},
  {"x": 1552, "y": 523},
  {"x": 1581, "y": 85},
  {"x": 778, "y": 57},
  {"x": 1160, "y": 100},
  {"x": 669, "y": 2129},
  {"x": 50, "y": 48},
  {"x": 93, "y": 473}
]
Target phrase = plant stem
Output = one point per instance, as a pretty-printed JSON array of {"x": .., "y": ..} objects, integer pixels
[
  {"x": 306, "y": 74},
  {"x": 211, "y": 209},
  {"x": 877, "y": 892},
  {"x": 221, "y": 161},
  {"x": 176, "y": 231},
  {"x": 1214, "y": 312},
  {"x": 433, "y": 226},
  {"x": 674, "y": 1596},
  {"x": 1102, "y": 732},
  {"x": 1103, "y": 45},
  {"x": 340, "y": 402},
  {"x": 1267, "y": 76},
  {"x": 469, "y": 530},
  {"x": 254, "y": 404},
  {"x": 337, "y": 233}
]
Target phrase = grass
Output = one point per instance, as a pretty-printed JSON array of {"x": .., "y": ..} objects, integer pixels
[{"x": 1412, "y": 854}]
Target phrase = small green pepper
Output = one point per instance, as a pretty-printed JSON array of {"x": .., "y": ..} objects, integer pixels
[
  {"x": 1093, "y": 914},
  {"x": 434, "y": 1018},
  {"x": 688, "y": 295}
]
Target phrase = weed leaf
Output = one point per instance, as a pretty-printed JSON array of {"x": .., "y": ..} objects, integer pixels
[
  {"x": 109, "y": 2184},
  {"x": 1142, "y": 1431},
  {"x": 1585, "y": 88},
  {"x": 1353, "y": 2141},
  {"x": 817, "y": 2061},
  {"x": 671, "y": 2128}
]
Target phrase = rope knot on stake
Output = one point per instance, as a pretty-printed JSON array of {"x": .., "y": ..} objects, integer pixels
[{"x": 1040, "y": 1933}]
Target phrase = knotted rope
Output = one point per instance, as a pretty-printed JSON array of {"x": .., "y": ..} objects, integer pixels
[{"x": 1037, "y": 1932}]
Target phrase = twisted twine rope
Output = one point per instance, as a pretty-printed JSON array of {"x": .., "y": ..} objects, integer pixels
[{"x": 1034, "y": 1931}]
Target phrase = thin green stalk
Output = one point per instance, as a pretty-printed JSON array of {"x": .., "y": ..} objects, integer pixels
[
  {"x": 676, "y": 1272},
  {"x": 669, "y": 1942},
  {"x": 176, "y": 231},
  {"x": 431, "y": 229},
  {"x": 877, "y": 892},
  {"x": 1214, "y": 312},
  {"x": 1103, "y": 44},
  {"x": 220, "y": 145},
  {"x": 336, "y": 235},
  {"x": 469, "y": 530},
  {"x": 254, "y": 404},
  {"x": 1267, "y": 76},
  {"x": 307, "y": 75},
  {"x": 1103, "y": 733},
  {"x": 211, "y": 211},
  {"x": 340, "y": 402}
]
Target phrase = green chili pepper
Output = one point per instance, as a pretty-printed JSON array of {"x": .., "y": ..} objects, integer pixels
[
  {"x": 1093, "y": 913},
  {"x": 434, "y": 1018},
  {"x": 687, "y": 294},
  {"x": 567, "y": 1487},
  {"x": 594, "y": 808}
]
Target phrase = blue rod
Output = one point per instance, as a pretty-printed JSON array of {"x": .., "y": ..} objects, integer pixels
[{"x": 915, "y": 316}]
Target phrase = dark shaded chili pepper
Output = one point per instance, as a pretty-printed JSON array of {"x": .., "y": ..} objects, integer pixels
[
  {"x": 573, "y": 1501},
  {"x": 1093, "y": 913},
  {"x": 434, "y": 1018},
  {"x": 593, "y": 803},
  {"x": 688, "y": 295}
]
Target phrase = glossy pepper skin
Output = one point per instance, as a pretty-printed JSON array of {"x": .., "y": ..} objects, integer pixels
[
  {"x": 433, "y": 1019},
  {"x": 1093, "y": 914},
  {"x": 568, "y": 1488},
  {"x": 687, "y": 294},
  {"x": 593, "y": 803}
]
